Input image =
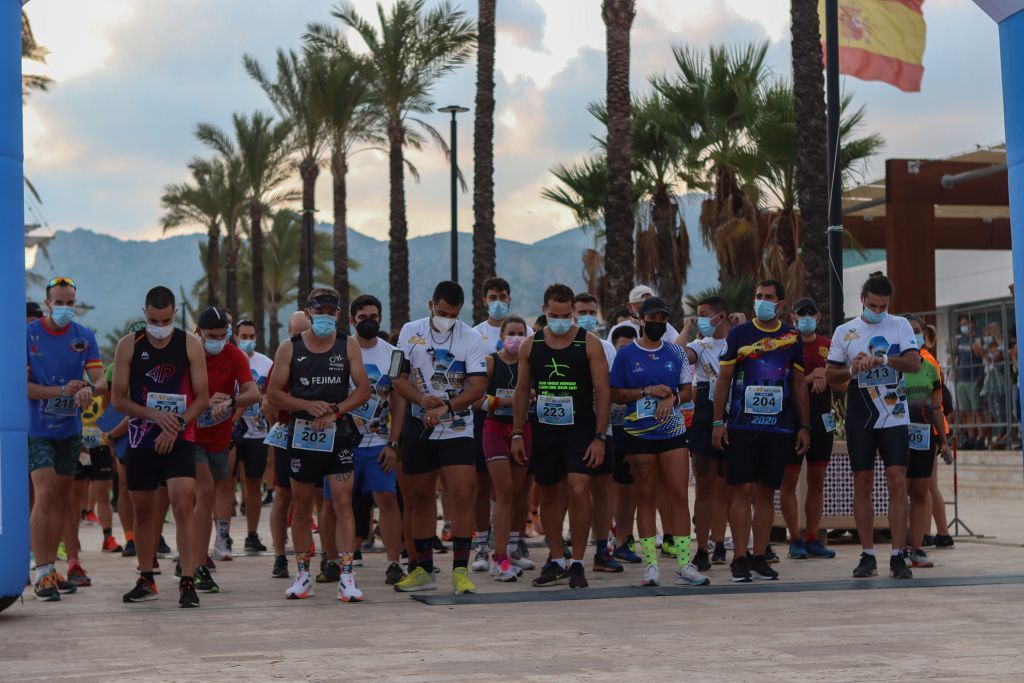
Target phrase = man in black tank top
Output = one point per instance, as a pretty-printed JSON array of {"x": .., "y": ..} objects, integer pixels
[
  {"x": 566, "y": 366},
  {"x": 311, "y": 380},
  {"x": 160, "y": 384}
]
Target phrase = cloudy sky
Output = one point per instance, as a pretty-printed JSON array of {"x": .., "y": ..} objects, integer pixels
[{"x": 133, "y": 78}]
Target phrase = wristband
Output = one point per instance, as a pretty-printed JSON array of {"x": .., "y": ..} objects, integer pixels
[
  {"x": 448, "y": 404},
  {"x": 517, "y": 436},
  {"x": 393, "y": 445},
  {"x": 885, "y": 359},
  {"x": 718, "y": 423}
]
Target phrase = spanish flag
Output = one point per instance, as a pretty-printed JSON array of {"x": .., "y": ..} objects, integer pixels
[{"x": 881, "y": 40}]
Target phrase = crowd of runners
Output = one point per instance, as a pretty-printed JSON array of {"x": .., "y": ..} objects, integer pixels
[{"x": 513, "y": 427}]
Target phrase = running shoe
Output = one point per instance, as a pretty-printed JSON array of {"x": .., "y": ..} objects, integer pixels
[
  {"x": 630, "y": 543},
  {"x": 301, "y": 588},
  {"x": 943, "y": 541},
  {"x": 46, "y": 589},
  {"x": 439, "y": 547},
  {"x": 177, "y": 569},
  {"x": 77, "y": 576},
  {"x": 357, "y": 558},
  {"x": 481, "y": 561},
  {"x": 521, "y": 546},
  {"x": 668, "y": 549},
  {"x": 652, "y": 576},
  {"x": 418, "y": 579},
  {"x": 110, "y": 545},
  {"x": 210, "y": 564},
  {"x": 187, "y": 596},
  {"x": 625, "y": 554},
  {"x": 898, "y": 568},
  {"x": 230, "y": 542},
  {"x": 690, "y": 576},
  {"x": 394, "y": 574},
  {"x": 221, "y": 551},
  {"x": 521, "y": 562},
  {"x": 446, "y": 532},
  {"x": 740, "y": 568},
  {"x": 269, "y": 498},
  {"x": 701, "y": 560},
  {"x": 143, "y": 592},
  {"x": 204, "y": 582},
  {"x": 551, "y": 574},
  {"x": 163, "y": 548},
  {"x": 330, "y": 572},
  {"x": 718, "y": 554},
  {"x": 798, "y": 550},
  {"x": 280, "y": 570},
  {"x": 577, "y": 577},
  {"x": 760, "y": 569},
  {"x": 156, "y": 566},
  {"x": 368, "y": 543},
  {"x": 62, "y": 553},
  {"x": 603, "y": 562},
  {"x": 129, "y": 549},
  {"x": 928, "y": 541},
  {"x": 868, "y": 566},
  {"x": 919, "y": 558},
  {"x": 404, "y": 556},
  {"x": 63, "y": 585},
  {"x": 769, "y": 555},
  {"x": 506, "y": 572},
  {"x": 461, "y": 582},
  {"x": 816, "y": 548},
  {"x": 91, "y": 519},
  {"x": 253, "y": 543},
  {"x": 347, "y": 590}
]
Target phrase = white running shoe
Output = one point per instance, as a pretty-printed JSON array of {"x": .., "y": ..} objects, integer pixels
[
  {"x": 347, "y": 590},
  {"x": 652, "y": 576},
  {"x": 481, "y": 561},
  {"x": 302, "y": 588},
  {"x": 689, "y": 576},
  {"x": 504, "y": 571},
  {"x": 221, "y": 553},
  {"x": 518, "y": 560}
]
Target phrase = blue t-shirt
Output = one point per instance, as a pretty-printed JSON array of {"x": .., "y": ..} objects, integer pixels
[
  {"x": 636, "y": 367},
  {"x": 56, "y": 357},
  {"x": 761, "y": 396}
]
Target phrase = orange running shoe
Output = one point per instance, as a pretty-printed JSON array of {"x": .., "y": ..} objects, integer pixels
[
  {"x": 91, "y": 518},
  {"x": 110, "y": 545}
]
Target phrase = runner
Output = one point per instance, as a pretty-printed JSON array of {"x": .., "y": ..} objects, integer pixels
[
  {"x": 762, "y": 378},
  {"x": 226, "y": 369},
  {"x": 445, "y": 374},
  {"x": 653, "y": 378},
  {"x": 164, "y": 369},
  {"x": 567, "y": 367},
  {"x": 872, "y": 352},
  {"x": 60, "y": 353},
  {"x": 497, "y": 296},
  {"x": 624, "y": 500},
  {"x": 376, "y": 458},
  {"x": 252, "y": 452},
  {"x": 311, "y": 380},
  {"x": 33, "y": 311},
  {"x": 942, "y": 537},
  {"x": 969, "y": 370},
  {"x": 805, "y": 318},
  {"x": 927, "y": 437},
  {"x": 636, "y": 297}
]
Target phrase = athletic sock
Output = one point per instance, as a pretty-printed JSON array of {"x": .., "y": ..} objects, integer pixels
[
  {"x": 577, "y": 562},
  {"x": 460, "y": 551},
  {"x": 425, "y": 554},
  {"x": 302, "y": 562},
  {"x": 895, "y": 552},
  {"x": 129, "y": 535},
  {"x": 560, "y": 561},
  {"x": 107, "y": 533},
  {"x": 810, "y": 538},
  {"x": 602, "y": 546},
  {"x": 649, "y": 550},
  {"x": 223, "y": 527},
  {"x": 513, "y": 539},
  {"x": 41, "y": 571},
  {"x": 682, "y": 551},
  {"x": 148, "y": 576},
  {"x": 499, "y": 558},
  {"x": 868, "y": 551},
  {"x": 481, "y": 538},
  {"x": 345, "y": 561}
]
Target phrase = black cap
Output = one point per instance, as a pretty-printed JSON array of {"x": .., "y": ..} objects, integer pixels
[
  {"x": 33, "y": 310},
  {"x": 213, "y": 318},
  {"x": 653, "y": 304},
  {"x": 805, "y": 302}
]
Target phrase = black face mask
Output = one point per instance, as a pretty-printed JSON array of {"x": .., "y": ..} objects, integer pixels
[
  {"x": 654, "y": 331},
  {"x": 367, "y": 328}
]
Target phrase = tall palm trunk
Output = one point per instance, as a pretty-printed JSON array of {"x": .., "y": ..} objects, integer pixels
[
  {"x": 231, "y": 270},
  {"x": 618, "y": 215},
  {"x": 339, "y": 171},
  {"x": 811, "y": 151},
  {"x": 256, "y": 238},
  {"x": 484, "y": 248},
  {"x": 398, "y": 247},
  {"x": 663, "y": 214},
  {"x": 273, "y": 306},
  {"x": 212, "y": 264},
  {"x": 309, "y": 171}
]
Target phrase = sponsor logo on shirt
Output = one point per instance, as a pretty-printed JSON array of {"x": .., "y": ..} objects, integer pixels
[
  {"x": 160, "y": 373},
  {"x": 851, "y": 335},
  {"x": 417, "y": 340},
  {"x": 79, "y": 345}
]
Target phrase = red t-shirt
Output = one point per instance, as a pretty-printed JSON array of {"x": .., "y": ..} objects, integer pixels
[
  {"x": 226, "y": 372},
  {"x": 815, "y": 354}
]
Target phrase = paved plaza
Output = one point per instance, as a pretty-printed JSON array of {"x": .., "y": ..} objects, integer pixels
[{"x": 815, "y": 623}]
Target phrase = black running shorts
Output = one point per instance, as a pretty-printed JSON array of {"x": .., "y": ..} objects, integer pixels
[
  {"x": 100, "y": 469},
  {"x": 819, "y": 452},
  {"x": 559, "y": 451},
  {"x": 754, "y": 457},
  {"x": 422, "y": 455},
  {"x": 252, "y": 453},
  {"x": 145, "y": 469},
  {"x": 891, "y": 443},
  {"x": 634, "y": 445},
  {"x": 922, "y": 463}
]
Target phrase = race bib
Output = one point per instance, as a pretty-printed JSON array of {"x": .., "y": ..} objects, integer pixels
[
  {"x": 920, "y": 437},
  {"x": 308, "y": 439},
  {"x": 506, "y": 402},
  {"x": 277, "y": 436},
  {"x": 168, "y": 403},
  {"x": 760, "y": 400},
  {"x": 62, "y": 406},
  {"x": 555, "y": 410},
  {"x": 206, "y": 419},
  {"x": 646, "y": 406},
  {"x": 91, "y": 437},
  {"x": 829, "y": 420},
  {"x": 618, "y": 416},
  {"x": 883, "y": 375},
  {"x": 367, "y": 411}
]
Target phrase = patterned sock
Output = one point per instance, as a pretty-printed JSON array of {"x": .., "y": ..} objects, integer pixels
[
  {"x": 682, "y": 551},
  {"x": 302, "y": 561},
  {"x": 223, "y": 528},
  {"x": 129, "y": 535},
  {"x": 481, "y": 538},
  {"x": 460, "y": 551},
  {"x": 649, "y": 550},
  {"x": 425, "y": 554},
  {"x": 345, "y": 561},
  {"x": 513, "y": 539}
]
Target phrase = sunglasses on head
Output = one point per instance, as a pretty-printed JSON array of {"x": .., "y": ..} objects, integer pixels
[
  {"x": 244, "y": 321},
  {"x": 61, "y": 281}
]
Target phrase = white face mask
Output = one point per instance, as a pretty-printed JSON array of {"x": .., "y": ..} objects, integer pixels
[
  {"x": 443, "y": 325},
  {"x": 160, "y": 332}
]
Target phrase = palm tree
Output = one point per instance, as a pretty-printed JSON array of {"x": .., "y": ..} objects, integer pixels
[
  {"x": 32, "y": 50},
  {"x": 409, "y": 52},
  {"x": 263, "y": 150},
  {"x": 292, "y": 95},
  {"x": 484, "y": 246},
  {"x": 618, "y": 20}
]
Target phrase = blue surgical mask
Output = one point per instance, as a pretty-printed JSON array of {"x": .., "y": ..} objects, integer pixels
[
  {"x": 498, "y": 310},
  {"x": 214, "y": 346},
  {"x": 247, "y": 346},
  {"x": 806, "y": 324},
  {"x": 705, "y": 327},
  {"x": 62, "y": 315},
  {"x": 587, "y": 322},
  {"x": 964, "y": 329},
  {"x": 919, "y": 338},
  {"x": 989, "y": 339},
  {"x": 229, "y": 334},
  {"x": 324, "y": 325},
  {"x": 872, "y": 317},
  {"x": 764, "y": 310},
  {"x": 559, "y": 326}
]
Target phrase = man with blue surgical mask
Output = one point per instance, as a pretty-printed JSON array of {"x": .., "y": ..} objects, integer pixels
[{"x": 497, "y": 296}]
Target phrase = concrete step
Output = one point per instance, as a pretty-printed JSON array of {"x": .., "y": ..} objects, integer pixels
[
  {"x": 1009, "y": 458},
  {"x": 988, "y": 473},
  {"x": 979, "y": 481}
]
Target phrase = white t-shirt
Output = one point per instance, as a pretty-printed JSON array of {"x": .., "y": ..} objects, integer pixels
[
  {"x": 439, "y": 365},
  {"x": 618, "y": 414},
  {"x": 877, "y": 398},
  {"x": 260, "y": 366},
  {"x": 491, "y": 334},
  {"x": 671, "y": 334},
  {"x": 709, "y": 352},
  {"x": 373, "y": 417}
]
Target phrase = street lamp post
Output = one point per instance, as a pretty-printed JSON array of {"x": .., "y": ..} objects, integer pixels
[{"x": 453, "y": 110}]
